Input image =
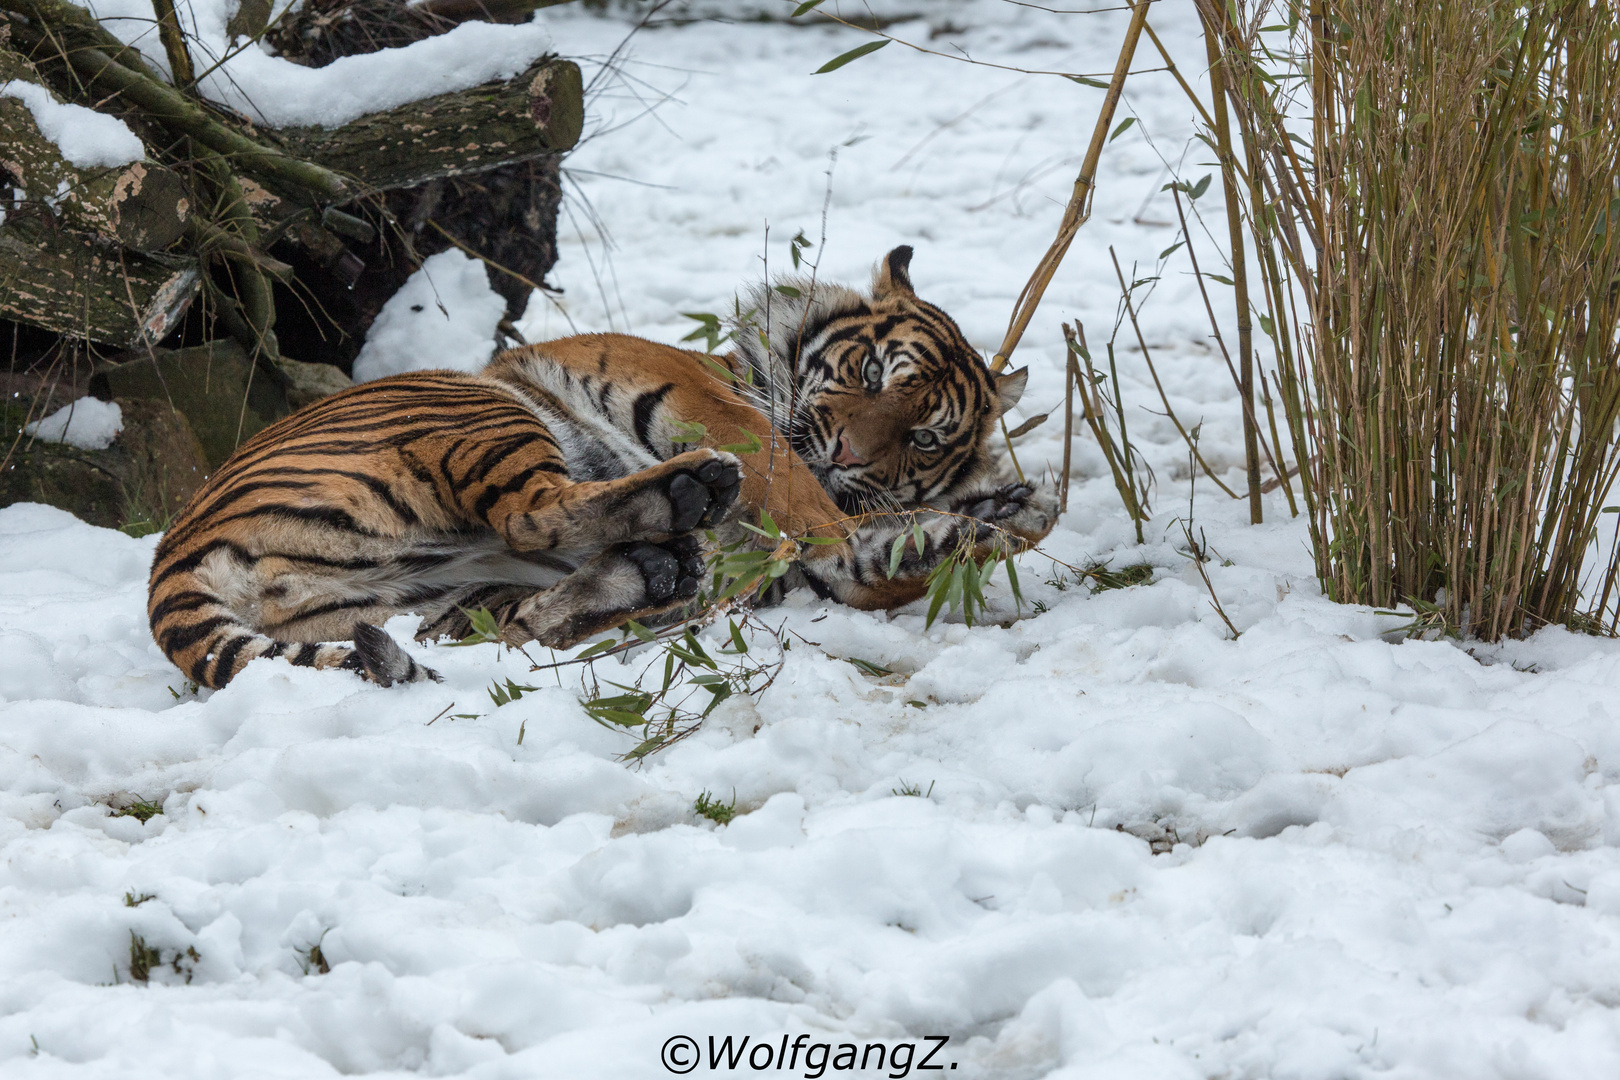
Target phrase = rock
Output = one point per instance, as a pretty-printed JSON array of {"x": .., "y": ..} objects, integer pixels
[
  {"x": 226, "y": 400},
  {"x": 137, "y": 484},
  {"x": 311, "y": 382}
]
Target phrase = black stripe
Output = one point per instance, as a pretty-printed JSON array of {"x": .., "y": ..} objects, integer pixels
[
  {"x": 494, "y": 493},
  {"x": 180, "y": 638},
  {"x": 185, "y": 600},
  {"x": 225, "y": 664},
  {"x": 642, "y": 411}
]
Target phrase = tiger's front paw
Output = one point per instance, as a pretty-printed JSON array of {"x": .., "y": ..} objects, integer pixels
[
  {"x": 700, "y": 496},
  {"x": 1023, "y": 510}
]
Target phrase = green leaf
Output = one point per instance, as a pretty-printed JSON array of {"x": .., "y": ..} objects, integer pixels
[
  {"x": 1171, "y": 250},
  {"x": 938, "y": 590},
  {"x": 866, "y": 667},
  {"x": 1084, "y": 81},
  {"x": 752, "y": 446},
  {"x": 918, "y": 539},
  {"x": 854, "y": 54},
  {"x": 737, "y": 638},
  {"x": 819, "y": 540},
  {"x": 484, "y": 628},
  {"x": 1222, "y": 278},
  {"x": 718, "y": 368},
  {"x": 804, "y": 7},
  {"x": 720, "y": 694},
  {"x": 599, "y": 647},
  {"x": 918, "y": 704},
  {"x": 1268, "y": 327},
  {"x": 1200, "y": 187},
  {"x": 1124, "y": 126},
  {"x": 622, "y": 717},
  {"x": 1012, "y": 579},
  {"x": 895, "y": 554},
  {"x": 708, "y": 680},
  {"x": 687, "y": 433},
  {"x": 640, "y": 631},
  {"x": 788, "y": 291},
  {"x": 646, "y": 748}
]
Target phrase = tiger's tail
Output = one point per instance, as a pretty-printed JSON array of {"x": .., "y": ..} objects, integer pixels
[{"x": 205, "y": 638}]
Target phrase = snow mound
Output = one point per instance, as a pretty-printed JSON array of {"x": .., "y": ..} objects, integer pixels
[
  {"x": 87, "y": 138},
  {"x": 444, "y": 316},
  {"x": 88, "y": 423}
]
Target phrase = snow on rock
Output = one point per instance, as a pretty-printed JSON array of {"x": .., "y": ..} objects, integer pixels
[
  {"x": 444, "y": 316},
  {"x": 1139, "y": 849},
  {"x": 280, "y": 93},
  {"x": 88, "y": 423},
  {"x": 87, "y": 138}
]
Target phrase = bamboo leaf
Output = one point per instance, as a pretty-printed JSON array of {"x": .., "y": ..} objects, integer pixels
[
  {"x": 1084, "y": 81},
  {"x": 1124, "y": 126},
  {"x": 808, "y": 5},
  {"x": 751, "y": 446},
  {"x": 687, "y": 432},
  {"x": 854, "y": 54}
]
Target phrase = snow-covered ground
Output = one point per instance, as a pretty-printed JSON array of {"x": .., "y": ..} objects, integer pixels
[{"x": 1138, "y": 849}]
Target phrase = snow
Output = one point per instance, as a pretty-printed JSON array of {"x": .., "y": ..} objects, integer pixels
[
  {"x": 87, "y": 423},
  {"x": 1140, "y": 848},
  {"x": 277, "y": 92},
  {"x": 87, "y": 138},
  {"x": 444, "y": 316}
]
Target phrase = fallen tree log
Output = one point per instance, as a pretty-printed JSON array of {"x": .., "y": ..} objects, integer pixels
[
  {"x": 320, "y": 31},
  {"x": 72, "y": 284},
  {"x": 540, "y": 111},
  {"x": 140, "y": 205}
]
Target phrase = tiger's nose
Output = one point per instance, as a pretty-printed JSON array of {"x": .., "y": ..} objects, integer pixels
[{"x": 845, "y": 454}]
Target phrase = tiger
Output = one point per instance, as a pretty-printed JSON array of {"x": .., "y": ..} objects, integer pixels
[{"x": 567, "y": 487}]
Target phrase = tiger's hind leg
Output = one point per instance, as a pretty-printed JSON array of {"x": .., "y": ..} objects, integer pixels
[{"x": 627, "y": 581}]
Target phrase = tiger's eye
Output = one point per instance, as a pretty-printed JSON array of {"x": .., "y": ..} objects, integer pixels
[
  {"x": 925, "y": 439},
  {"x": 873, "y": 372}
]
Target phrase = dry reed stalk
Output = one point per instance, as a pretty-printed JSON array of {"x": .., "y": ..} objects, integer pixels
[
  {"x": 1079, "y": 208},
  {"x": 1454, "y": 398},
  {"x": 1117, "y": 453},
  {"x": 1240, "y": 273}
]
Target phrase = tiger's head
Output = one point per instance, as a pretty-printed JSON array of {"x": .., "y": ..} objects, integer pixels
[{"x": 879, "y": 394}]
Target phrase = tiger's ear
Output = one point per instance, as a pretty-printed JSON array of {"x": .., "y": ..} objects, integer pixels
[
  {"x": 1010, "y": 387},
  {"x": 893, "y": 276}
]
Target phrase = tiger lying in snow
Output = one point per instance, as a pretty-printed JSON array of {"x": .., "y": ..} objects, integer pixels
[{"x": 554, "y": 488}]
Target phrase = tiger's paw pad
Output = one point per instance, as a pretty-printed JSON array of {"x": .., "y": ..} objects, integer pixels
[
  {"x": 672, "y": 570},
  {"x": 378, "y": 657},
  {"x": 700, "y": 497}
]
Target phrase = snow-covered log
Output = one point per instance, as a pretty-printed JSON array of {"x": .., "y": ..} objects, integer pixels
[
  {"x": 540, "y": 111},
  {"x": 66, "y": 164}
]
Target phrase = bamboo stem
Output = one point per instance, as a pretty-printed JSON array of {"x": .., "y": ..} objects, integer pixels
[
  {"x": 1079, "y": 208},
  {"x": 1240, "y": 277}
]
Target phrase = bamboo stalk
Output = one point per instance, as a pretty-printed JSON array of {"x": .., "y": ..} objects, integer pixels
[
  {"x": 1079, "y": 207},
  {"x": 1240, "y": 279}
]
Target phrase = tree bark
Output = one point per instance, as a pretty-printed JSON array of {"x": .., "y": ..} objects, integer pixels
[
  {"x": 141, "y": 205},
  {"x": 71, "y": 284},
  {"x": 538, "y": 112}
]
